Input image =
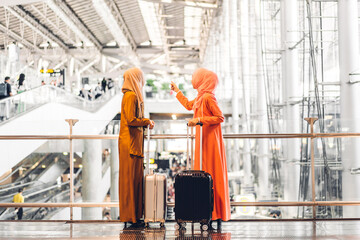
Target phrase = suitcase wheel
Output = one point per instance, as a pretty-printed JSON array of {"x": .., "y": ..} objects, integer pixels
[
  {"x": 177, "y": 226},
  {"x": 147, "y": 224},
  {"x": 204, "y": 227},
  {"x": 162, "y": 224},
  {"x": 180, "y": 226}
]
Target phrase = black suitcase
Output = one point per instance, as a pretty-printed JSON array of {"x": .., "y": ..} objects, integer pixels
[{"x": 194, "y": 199}]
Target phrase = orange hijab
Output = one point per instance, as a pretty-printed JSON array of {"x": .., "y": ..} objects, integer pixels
[
  {"x": 204, "y": 81},
  {"x": 134, "y": 81}
]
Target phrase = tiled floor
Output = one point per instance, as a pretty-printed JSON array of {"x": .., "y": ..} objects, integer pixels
[{"x": 230, "y": 230}]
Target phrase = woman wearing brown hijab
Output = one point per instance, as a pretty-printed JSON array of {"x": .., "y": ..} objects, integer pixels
[{"x": 131, "y": 145}]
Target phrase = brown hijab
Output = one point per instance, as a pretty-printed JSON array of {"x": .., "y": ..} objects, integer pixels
[{"x": 134, "y": 81}]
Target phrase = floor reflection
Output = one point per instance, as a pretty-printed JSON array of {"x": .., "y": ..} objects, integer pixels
[{"x": 168, "y": 233}]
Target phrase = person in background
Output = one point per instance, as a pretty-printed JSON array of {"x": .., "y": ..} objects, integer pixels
[
  {"x": 19, "y": 198},
  {"x": 103, "y": 85},
  {"x": 5, "y": 92},
  {"x": 5, "y": 88},
  {"x": 275, "y": 213},
  {"x": 97, "y": 91},
  {"x": 131, "y": 148},
  {"x": 43, "y": 83},
  {"x": 21, "y": 84},
  {"x": 107, "y": 216},
  {"x": 83, "y": 93},
  {"x": 91, "y": 95},
  {"x": 110, "y": 83},
  {"x": 21, "y": 87},
  {"x": 207, "y": 111}
]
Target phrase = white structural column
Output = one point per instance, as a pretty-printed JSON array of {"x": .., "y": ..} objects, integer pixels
[
  {"x": 290, "y": 89},
  {"x": 234, "y": 63},
  {"x": 114, "y": 186},
  {"x": 349, "y": 100},
  {"x": 226, "y": 48},
  {"x": 245, "y": 69},
  {"x": 231, "y": 8},
  {"x": 263, "y": 144},
  {"x": 91, "y": 179}
]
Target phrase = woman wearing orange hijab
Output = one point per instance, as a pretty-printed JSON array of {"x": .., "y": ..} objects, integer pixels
[
  {"x": 131, "y": 146},
  {"x": 207, "y": 111}
]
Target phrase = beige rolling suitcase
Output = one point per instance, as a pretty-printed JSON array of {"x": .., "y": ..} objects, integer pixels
[{"x": 155, "y": 194}]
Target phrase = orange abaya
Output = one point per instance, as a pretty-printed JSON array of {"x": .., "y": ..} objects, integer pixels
[
  {"x": 131, "y": 139},
  {"x": 206, "y": 109}
]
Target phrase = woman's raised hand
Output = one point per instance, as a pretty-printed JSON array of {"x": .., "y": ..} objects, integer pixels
[
  {"x": 152, "y": 124},
  {"x": 174, "y": 87}
]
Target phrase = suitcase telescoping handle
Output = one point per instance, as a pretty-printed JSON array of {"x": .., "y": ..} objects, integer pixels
[
  {"x": 147, "y": 168},
  {"x": 187, "y": 153}
]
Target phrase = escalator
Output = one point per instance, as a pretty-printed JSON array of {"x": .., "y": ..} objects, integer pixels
[
  {"x": 44, "y": 178},
  {"x": 42, "y": 111},
  {"x": 39, "y": 177},
  {"x": 27, "y": 101}
]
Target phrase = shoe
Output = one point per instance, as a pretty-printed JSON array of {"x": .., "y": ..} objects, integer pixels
[
  {"x": 219, "y": 224},
  {"x": 138, "y": 224},
  {"x": 211, "y": 228}
]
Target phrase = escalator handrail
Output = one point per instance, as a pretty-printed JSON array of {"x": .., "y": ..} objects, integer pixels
[
  {"x": 22, "y": 94},
  {"x": 54, "y": 186},
  {"x": 12, "y": 173},
  {"x": 51, "y": 87},
  {"x": 45, "y": 189},
  {"x": 17, "y": 186},
  {"x": 81, "y": 99}
]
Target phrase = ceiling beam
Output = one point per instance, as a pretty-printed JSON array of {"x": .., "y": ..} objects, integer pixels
[
  {"x": 189, "y": 3},
  {"x": 70, "y": 18},
  {"x": 111, "y": 16},
  {"x": 51, "y": 23},
  {"x": 163, "y": 31},
  {"x": 36, "y": 25},
  {"x": 18, "y": 2},
  {"x": 89, "y": 65},
  {"x": 21, "y": 40},
  {"x": 206, "y": 22}
]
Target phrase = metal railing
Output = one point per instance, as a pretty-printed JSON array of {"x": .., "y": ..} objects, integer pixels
[{"x": 71, "y": 204}]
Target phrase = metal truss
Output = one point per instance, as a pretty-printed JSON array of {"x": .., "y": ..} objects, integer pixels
[
  {"x": 121, "y": 22},
  {"x": 35, "y": 25},
  {"x": 62, "y": 9},
  {"x": 164, "y": 37},
  {"x": 199, "y": 4},
  {"x": 20, "y": 39},
  {"x": 206, "y": 21}
]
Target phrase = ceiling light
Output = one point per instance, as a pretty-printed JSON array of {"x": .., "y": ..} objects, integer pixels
[{"x": 173, "y": 116}]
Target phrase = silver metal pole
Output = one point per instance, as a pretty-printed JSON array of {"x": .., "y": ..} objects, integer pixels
[
  {"x": 311, "y": 121},
  {"x": 192, "y": 148},
  {"x": 187, "y": 149},
  {"x": 147, "y": 169},
  {"x": 263, "y": 144}
]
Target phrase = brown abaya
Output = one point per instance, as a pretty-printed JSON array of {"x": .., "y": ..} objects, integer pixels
[{"x": 131, "y": 166}]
